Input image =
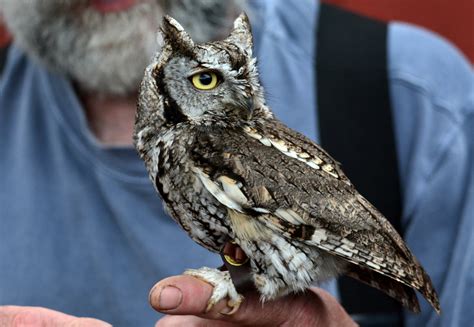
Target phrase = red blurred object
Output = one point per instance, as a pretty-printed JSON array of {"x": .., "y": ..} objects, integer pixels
[
  {"x": 5, "y": 38},
  {"x": 452, "y": 19},
  {"x": 107, "y": 6}
]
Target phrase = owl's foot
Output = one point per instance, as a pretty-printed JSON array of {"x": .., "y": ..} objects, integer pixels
[{"x": 223, "y": 287}]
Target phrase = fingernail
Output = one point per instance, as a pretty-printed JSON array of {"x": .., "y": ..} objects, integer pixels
[{"x": 170, "y": 298}]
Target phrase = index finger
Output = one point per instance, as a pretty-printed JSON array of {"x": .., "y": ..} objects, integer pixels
[{"x": 11, "y": 315}]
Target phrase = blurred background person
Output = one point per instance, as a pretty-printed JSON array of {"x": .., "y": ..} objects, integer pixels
[{"x": 82, "y": 229}]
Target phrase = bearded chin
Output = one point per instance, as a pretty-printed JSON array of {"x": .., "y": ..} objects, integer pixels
[
  {"x": 111, "y": 59},
  {"x": 104, "y": 54}
]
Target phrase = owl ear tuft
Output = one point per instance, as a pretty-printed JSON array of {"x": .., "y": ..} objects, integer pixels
[
  {"x": 175, "y": 36},
  {"x": 242, "y": 33}
]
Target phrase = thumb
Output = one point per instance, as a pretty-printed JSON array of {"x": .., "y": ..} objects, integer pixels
[{"x": 186, "y": 295}]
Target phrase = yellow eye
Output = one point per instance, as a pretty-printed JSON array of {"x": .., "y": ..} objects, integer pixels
[{"x": 205, "y": 80}]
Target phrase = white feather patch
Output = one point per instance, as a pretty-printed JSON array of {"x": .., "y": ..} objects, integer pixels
[
  {"x": 304, "y": 155},
  {"x": 216, "y": 191},
  {"x": 232, "y": 189},
  {"x": 293, "y": 154},
  {"x": 372, "y": 265},
  {"x": 290, "y": 216},
  {"x": 252, "y": 133},
  {"x": 312, "y": 164},
  {"x": 265, "y": 141},
  {"x": 319, "y": 235},
  {"x": 261, "y": 210},
  {"x": 280, "y": 145},
  {"x": 340, "y": 250}
]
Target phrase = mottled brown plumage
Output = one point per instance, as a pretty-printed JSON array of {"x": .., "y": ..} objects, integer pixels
[{"x": 228, "y": 170}]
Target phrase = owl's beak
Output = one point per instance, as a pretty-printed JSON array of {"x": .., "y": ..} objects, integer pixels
[
  {"x": 249, "y": 105},
  {"x": 244, "y": 108},
  {"x": 249, "y": 108}
]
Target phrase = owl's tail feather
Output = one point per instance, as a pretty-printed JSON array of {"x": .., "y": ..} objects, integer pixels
[
  {"x": 427, "y": 289},
  {"x": 389, "y": 286}
]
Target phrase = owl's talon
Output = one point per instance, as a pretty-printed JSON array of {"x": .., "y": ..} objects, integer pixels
[
  {"x": 234, "y": 304},
  {"x": 222, "y": 287},
  {"x": 209, "y": 307}
]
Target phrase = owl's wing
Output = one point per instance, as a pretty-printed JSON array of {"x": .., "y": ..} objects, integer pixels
[{"x": 283, "y": 180}]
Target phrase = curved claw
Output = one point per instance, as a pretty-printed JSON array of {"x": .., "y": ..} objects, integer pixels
[
  {"x": 234, "y": 304},
  {"x": 223, "y": 287}
]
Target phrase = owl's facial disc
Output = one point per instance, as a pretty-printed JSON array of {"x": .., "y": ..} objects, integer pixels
[{"x": 205, "y": 90}]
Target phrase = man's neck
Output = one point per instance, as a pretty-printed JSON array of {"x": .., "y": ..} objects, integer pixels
[{"x": 110, "y": 118}]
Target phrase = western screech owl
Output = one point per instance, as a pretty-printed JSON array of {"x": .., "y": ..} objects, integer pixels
[{"x": 229, "y": 171}]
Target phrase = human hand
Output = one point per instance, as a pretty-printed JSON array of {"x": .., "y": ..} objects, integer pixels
[
  {"x": 15, "y": 316},
  {"x": 184, "y": 300}
]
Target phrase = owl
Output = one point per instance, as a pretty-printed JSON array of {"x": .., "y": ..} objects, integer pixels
[{"x": 233, "y": 176}]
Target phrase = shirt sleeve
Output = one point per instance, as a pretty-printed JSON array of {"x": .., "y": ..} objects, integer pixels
[{"x": 432, "y": 94}]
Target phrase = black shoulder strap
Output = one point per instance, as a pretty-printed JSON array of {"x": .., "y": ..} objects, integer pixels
[
  {"x": 356, "y": 129},
  {"x": 3, "y": 58}
]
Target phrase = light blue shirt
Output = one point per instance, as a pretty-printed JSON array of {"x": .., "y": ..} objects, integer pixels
[{"x": 82, "y": 230}]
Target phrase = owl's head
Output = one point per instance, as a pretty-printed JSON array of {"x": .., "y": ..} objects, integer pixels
[{"x": 210, "y": 84}]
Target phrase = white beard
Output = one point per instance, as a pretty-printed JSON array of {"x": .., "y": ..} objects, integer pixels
[{"x": 107, "y": 54}]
